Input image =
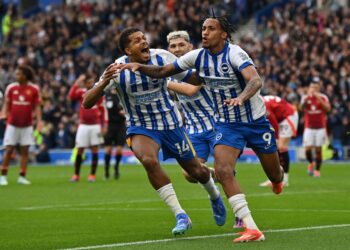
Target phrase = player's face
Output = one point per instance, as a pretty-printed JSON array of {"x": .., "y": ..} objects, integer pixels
[
  {"x": 179, "y": 46},
  {"x": 212, "y": 34},
  {"x": 314, "y": 88},
  {"x": 138, "y": 48},
  {"x": 20, "y": 76}
]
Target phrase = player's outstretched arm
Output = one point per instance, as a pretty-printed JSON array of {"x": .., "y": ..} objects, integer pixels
[
  {"x": 92, "y": 96},
  {"x": 183, "y": 89},
  {"x": 151, "y": 70},
  {"x": 253, "y": 84}
]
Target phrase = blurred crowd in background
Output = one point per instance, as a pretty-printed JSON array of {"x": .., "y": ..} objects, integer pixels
[{"x": 297, "y": 43}]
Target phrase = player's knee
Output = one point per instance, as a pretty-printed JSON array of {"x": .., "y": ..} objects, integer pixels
[
  {"x": 149, "y": 162},
  {"x": 223, "y": 173},
  {"x": 189, "y": 178}
]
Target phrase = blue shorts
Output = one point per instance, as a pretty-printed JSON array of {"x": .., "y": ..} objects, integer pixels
[
  {"x": 203, "y": 143},
  {"x": 258, "y": 135},
  {"x": 174, "y": 143}
]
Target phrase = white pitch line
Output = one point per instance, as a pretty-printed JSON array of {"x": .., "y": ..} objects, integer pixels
[
  {"x": 120, "y": 209},
  {"x": 158, "y": 200},
  {"x": 202, "y": 237}
]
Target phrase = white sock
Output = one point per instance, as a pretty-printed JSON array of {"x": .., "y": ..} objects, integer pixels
[
  {"x": 211, "y": 188},
  {"x": 240, "y": 209},
  {"x": 285, "y": 177},
  {"x": 168, "y": 195}
]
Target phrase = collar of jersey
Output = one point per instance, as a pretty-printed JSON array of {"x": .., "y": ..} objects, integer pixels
[{"x": 216, "y": 54}]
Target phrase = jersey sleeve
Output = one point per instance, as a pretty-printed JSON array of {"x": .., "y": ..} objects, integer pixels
[
  {"x": 239, "y": 59},
  {"x": 186, "y": 61},
  {"x": 170, "y": 58}
]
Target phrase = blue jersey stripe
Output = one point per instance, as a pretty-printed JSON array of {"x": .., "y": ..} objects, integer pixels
[
  {"x": 215, "y": 61},
  {"x": 144, "y": 82},
  {"x": 133, "y": 82},
  {"x": 207, "y": 97},
  {"x": 238, "y": 117},
  {"x": 215, "y": 101},
  {"x": 162, "y": 113},
  {"x": 206, "y": 64},
  {"x": 188, "y": 116},
  {"x": 199, "y": 119},
  {"x": 140, "y": 115},
  {"x": 168, "y": 105},
  {"x": 205, "y": 112},
  {"x": 198, "y": 60},
  {"x": 224, "y": 107},
  {"x": 247, "y": 105},
  {"x": 126, "y": 98},
  {"x": 152, "y": 116}
]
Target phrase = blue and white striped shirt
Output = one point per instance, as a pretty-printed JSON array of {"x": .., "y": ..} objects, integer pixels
[
  {"x": 146, "y": 101},
  {"x": 198, "y": 111},
  {"x": 222, "y": 74}
]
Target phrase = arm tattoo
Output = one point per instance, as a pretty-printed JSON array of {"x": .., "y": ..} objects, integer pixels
[
  {"x": 251, "y": 88},
  {"x": 158, "y": 71}
]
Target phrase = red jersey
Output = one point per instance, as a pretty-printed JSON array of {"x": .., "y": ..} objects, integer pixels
[
  {"x": 94, "y": 115},
  {"x": 279, "y": 107},
  {"x": 22, "y": 100},
  {"x": 314, "y": 115}
]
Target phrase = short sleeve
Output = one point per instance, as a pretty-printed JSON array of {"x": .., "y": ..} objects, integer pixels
[
  {"x": 187, "y": 61},
  {"x": 169, "y": 58},
  {"x": 239, "y": 58}
]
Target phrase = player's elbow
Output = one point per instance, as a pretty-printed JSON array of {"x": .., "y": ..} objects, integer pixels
[{"x": 87, "y": 103}]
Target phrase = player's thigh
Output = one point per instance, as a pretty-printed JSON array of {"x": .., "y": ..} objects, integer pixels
[
  {"x": 144, "y": 147},
  {"x": 27, "y": 136},
  {"x": 225, "y": 157},
  {"x": 321, "y": 137},
  {"x": 82, "y": 137},
  {"x": 95, "y": 135},
  {"x": 309, "y": 137},
  {"x": 11, "y": 136}
]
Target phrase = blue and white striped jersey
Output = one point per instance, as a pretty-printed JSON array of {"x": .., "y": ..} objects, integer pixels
[
  {"x": 198, "y": 111},
  {"x": 222, "y": 74},
  {"x": 146, "y": 101}
]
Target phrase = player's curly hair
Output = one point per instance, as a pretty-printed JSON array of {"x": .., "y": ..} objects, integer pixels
[
  {"x": 225, "y": 24},
  {"x": 124, "y": 38},
  {"x": 27, "y": 71}
]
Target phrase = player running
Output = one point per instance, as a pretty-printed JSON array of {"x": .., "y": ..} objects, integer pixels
[
  {"x": 89, "y": 134},
  {"x": 315, "y": 106},
  {"x": 240, "y": 112},
  {"x": 284, "y": 118},
  {"x": 197, "y": 108},
  {"x": 154, "y": 122},
  {"x": 21, "y": 98}
]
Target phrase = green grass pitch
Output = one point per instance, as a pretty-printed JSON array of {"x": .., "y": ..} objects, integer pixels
[{"x": 53, "y": 213}]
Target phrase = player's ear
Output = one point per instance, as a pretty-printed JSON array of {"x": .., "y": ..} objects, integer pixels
[
  {"x": 224, "y": 35},
  {"x": 191, "y": 46},
  {"x": 127, "y": 51}
]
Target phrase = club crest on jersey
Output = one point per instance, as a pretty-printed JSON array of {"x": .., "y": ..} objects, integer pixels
[
  {"x": 218, "y": 136},
  {"x": 224, "y": 68}
]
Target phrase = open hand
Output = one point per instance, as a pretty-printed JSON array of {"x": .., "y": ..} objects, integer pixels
[
  {"x": 130, "y": 66},
  {"x": 233, "y": 102}
]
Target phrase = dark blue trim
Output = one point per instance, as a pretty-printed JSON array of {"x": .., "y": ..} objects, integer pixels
[
  {"x": 189, "y": 73},
  {"x": 244, "y": 65}
]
